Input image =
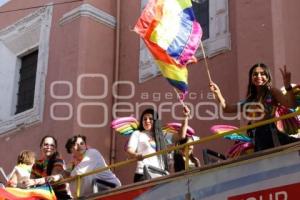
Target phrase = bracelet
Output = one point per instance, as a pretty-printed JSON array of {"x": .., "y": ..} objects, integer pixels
[
  {"x": 289, "y": 88},
  {"x": 47, "y": 179}
]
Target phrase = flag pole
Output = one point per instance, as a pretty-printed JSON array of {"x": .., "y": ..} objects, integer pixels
[
  {"x": 179, "y": 98},
  {"x": 205, "y": 61}
]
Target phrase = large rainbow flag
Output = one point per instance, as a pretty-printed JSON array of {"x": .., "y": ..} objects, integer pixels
[
  {"x": 172, "y": 34},
  {"x": 44, "y": 192}
]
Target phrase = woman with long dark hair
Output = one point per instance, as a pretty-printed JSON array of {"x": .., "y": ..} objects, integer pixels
[
  {"x": 179, "y": 157},
  {"x": 260, "y": 104},
  {"x": 149, "y": 139}
]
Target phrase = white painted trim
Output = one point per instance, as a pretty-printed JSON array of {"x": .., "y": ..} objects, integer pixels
[
  {"x": 87, "y": 10},
  {"x": 219, "y": 37},
  {"x": 30, "y": 32}
]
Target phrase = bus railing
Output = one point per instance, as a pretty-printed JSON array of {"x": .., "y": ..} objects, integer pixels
[{"x": 177, "y": 147}]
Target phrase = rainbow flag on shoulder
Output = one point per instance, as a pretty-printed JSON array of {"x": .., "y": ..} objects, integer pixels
[
  {"x": 172, "y": 35},
  {"x": 43, "y": 192}
]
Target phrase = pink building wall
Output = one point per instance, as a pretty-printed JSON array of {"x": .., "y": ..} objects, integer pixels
[
  {"x": 79, "y": 47},
  {"x": 261, "y": 31}
]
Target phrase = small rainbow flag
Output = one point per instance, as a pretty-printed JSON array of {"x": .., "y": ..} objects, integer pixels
[
  {"x": 172, "y": 35},
  {"x": 43, "y": 192}
]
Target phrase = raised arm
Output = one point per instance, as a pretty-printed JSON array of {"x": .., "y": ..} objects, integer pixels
[
  {"x": 228, "y": 108},
  {"x": 184, "y": 125},
  {"x": 288, "y": 100}
]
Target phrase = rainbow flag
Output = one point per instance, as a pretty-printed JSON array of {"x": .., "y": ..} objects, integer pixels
[
  {"x": 172, "y": 35},
  {"x": 43, "y": 192}
]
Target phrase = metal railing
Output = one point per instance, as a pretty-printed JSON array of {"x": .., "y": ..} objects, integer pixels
[{"x": 170, "y": 149}]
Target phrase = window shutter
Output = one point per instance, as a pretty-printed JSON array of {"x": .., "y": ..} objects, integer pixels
[
  {"x": 219, "y": 36},
  {"x": 27, "y": 82}
]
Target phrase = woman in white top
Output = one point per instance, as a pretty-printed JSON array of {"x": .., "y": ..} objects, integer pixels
[{"x": 149, "y": 139}]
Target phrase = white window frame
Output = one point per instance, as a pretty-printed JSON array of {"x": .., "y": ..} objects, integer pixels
[
  {"x": 29, "y": 33},
  {"x": 219, "y": 40}
]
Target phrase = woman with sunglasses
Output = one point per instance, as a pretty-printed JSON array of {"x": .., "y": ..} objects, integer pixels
[
  {"x": 87, "y": 159},
  {"x": 49, "y": 169}
]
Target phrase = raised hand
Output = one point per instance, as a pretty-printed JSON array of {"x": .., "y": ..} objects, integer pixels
[
  {"x": 186, "y": 111},
  {"x": 214, "y": 88},
  {"x": 288, "y": 100},
  {"x": 286, "y": 76}
]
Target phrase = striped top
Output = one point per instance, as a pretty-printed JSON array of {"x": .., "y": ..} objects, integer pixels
[{"x": 39, "y": 170}]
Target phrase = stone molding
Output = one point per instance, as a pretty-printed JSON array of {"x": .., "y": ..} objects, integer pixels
[{"x": 87, "y": 10}]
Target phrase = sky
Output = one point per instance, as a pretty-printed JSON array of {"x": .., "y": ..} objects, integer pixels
[{"x": 3, "y": 2}]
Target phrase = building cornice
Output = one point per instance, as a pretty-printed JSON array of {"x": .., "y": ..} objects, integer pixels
[{"x": 87, "y": 10}]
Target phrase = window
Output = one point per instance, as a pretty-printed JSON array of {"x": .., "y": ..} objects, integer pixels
[
  {"x": 24, "y": 48},
  {"x": 26, "y": 84},
  {"x": 200, "y": 8},
  {"x": 213, "y": 17}
]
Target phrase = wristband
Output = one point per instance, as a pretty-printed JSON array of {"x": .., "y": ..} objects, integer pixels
[{"x": 289, "y": 88}]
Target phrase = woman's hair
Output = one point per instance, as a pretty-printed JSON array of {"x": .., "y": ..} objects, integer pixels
[
  {"x": 26, "y": 157},
  {"x": 185, "y": 140},
  {"x": 191, "y": 156},
  {"x": 148, "y": 111},
  {"x": 251, "y": 92},
  {"x": 53, "y": 158},
  {"x": 158, "y": 134},
  {"x": 71, "y": 142},
  {"x": 45, "y": 137}
]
